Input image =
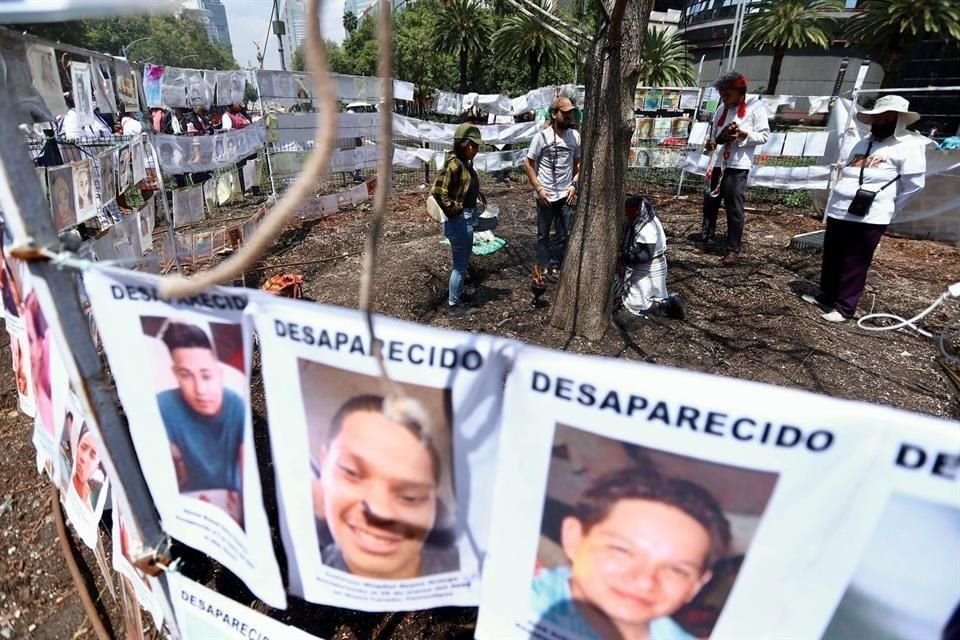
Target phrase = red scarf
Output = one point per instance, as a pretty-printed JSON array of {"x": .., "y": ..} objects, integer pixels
[{"x": 741, "y": 112}]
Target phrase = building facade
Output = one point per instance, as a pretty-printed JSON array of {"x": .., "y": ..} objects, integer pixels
[
  {"x": 212, "y": 15},
  {"x": 294, "y": 15}
]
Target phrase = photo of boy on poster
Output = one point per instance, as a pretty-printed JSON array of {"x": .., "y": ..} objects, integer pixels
[
  {"x": 123, "y": 168},
  {"x": 108, "y": 180},
  {"x": 87, "y": 479},
  {"x": 633, "y": 544},
  {"x": 382, "y": 488},
  {"x": 201, "y": 401}
]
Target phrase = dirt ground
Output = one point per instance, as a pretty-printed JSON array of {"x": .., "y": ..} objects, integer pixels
[{"x": 745, "y": 321}]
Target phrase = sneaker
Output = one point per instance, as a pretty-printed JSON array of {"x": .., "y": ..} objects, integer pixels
[
  {"x": 730, "y": 259},
  {"x": 835, "y": 317},
  {"x": 459, "y": 310},
  {"x": 809, "y": 299}
]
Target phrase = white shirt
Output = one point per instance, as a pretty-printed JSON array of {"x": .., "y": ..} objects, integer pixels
[
  {"x": 553, "y": 158},
  {"x": 130, "y": 126},
  {"x": 70, "y": 128},
  {"x": 738, "y": 153},
  {"x": 903, "y": 154}
]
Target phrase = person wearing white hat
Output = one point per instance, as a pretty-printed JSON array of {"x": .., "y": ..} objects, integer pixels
[{"x": 885, "y": 170}]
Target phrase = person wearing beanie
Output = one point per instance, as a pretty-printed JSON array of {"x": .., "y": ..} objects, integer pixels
[
  {"x": 457, "y": 191},
  {"x": 738, "y": 128}
]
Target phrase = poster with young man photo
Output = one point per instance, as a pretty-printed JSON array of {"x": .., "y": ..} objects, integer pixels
[
  {"x": 384, "y": 491},
  {"x": 627, "y": 507},
  {"x": 82, "y": 91},
  {"x": 189, "y": 416}
]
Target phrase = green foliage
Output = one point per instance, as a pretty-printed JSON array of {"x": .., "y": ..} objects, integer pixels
[
  {"x": 521, "y": 37},
  {"x": 664, "y": 61},
  {"x": 793, "y": 24},
  {"x": 415, "y": 58},
  {"x": 360, "y": 47},
  {"x": 350, "y": 21},
  {"x": 463, "y": 28},
  {"x": 178, "y": 42},
  {"x": 889, "y": 28}
]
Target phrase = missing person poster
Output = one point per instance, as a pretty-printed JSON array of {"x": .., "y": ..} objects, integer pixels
[
  {"x": 628, "y": 506},
  {"x": 186, "y": 396},
  {"x": 204, "y": 613},
  {"x": 384, "y": 491},
  {"x": 127, "y": 547}
]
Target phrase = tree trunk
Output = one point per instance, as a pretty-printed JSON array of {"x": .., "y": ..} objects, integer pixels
[
  {"x": 775, "y": 66},
  {"x": 463, "y": 69},
  {"x": 585, "y": 297},
  {"x": 535, "y": 66},
  {"x": 891, "y": 61}
]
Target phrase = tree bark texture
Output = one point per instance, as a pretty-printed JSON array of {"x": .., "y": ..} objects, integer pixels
[
  {"x": 775, "y": 65},
  {"x": 584, "y": 301}
]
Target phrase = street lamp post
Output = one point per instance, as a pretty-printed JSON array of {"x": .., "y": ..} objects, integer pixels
[{"x": 126, "y": 49}]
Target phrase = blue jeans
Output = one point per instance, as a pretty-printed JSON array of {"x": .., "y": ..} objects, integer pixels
[{"x": 459, "y": 230}]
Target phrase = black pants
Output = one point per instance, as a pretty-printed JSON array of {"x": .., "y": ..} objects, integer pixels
[
  {"x": 555, "y": 214},
  {"x": 848, "y": 249},
  {"x": 732, "y": 187}
]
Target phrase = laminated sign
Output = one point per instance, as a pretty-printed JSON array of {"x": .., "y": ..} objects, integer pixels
[
  {"x": 182, "y": 372},
  {"x": 384, "y": 498},
  {"x": 628, "y": 505}
]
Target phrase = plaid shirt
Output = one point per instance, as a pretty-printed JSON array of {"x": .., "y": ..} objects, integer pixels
[{"x": 451, "y": 186}]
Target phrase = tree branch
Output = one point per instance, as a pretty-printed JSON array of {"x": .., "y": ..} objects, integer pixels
[
  {"x": 570, "y": 41},
  {"x": 532, "y": 4}
]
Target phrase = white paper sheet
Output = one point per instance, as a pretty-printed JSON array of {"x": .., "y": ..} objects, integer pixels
[
  {"x": 698, "y": 134},
  {"x": 774, "y": 145},
  {"x": 323, "y": 397},
  {"x": 816, "y": 144},
  {"x": 194, "y": 440},
  {"x": 793, "y": 144},
  {"x": 601, "y": 463}
]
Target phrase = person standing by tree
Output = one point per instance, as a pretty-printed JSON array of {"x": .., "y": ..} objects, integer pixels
[
  {"x": 739, "y": 127},
  {"x": 552, "y": 166}
]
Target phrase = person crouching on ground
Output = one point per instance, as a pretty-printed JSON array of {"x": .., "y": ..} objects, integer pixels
[
  {"x": 456, "y": 191},
  {"x": 640, "y": 547},
  {"x": 644, "y": 282},
  {"x": 739, "y": 127},
  {"x": 885, "y": 170}
]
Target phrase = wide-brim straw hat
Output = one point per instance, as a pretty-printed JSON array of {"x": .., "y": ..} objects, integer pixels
[{"x": 889, "y": 103}]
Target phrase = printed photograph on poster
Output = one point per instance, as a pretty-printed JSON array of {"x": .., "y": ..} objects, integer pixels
[
  {"x": 108, "y": 177},
  {"x": 200, "y": 396},
  {"x": 20, "y": 355},
  {"x": 88, "y": 487},
  {"x": 39, "y": 342},
  {"x": 662, "y": 128},
  {"x": 63, "y": 202},
  {"x": 82, "y": 91},
  {"x": 651, "y": 101},
  {"x": 127, "y": 544},
  {"x": 123, "y": 168},
  {"x": 46, "y": 78},
  {"x": 66, "y": 434},
  {"x": 85, "y": 196},
  {"x": 688, "y": 99},
  {"x": 644, "y": 128},
  {"x": 106, "y": 100},
  {"x": 146, "y": 218},
  {"x": 384, "y": 504},
  {"x": 670, "y": 100},
  {"x": 189, "y": 417},
  {"x": 137, "y": 161},
  {"x": 637, "y": 542},
  {"x": 904, "y": 586},
  {"x": 203, "y": 245},
  {"x": 680, "y": 127},
  {"x": 126, "y": 87},
  {"x": 408, "y": 531},
  {"x": 219, "y": 241}
]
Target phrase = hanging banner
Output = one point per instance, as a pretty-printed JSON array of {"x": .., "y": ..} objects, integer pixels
[
  {"x": 906, "y": 577},
  {"x": 48, "y": 376},
  {"x": 187, "y": 205},
  {"x": 138, "y": 161},
  {"x": 152, "y": 84},
  {"x": 124, "y": 168},
  {"x": 106, "y": 162},
  {"x": 189, "y": 416},
  {"x": 16, "y": 284},
  {"x": 191, "y": 154},
  {"x": 146, "y": 220},
  {"x": 230, "y": 87},
  {"x": 384, "y": 502},
  {"x": 106, "y": 99},
  {"x": 127, "y": 546},
  {"x": 46, "y": 79},
  {"x": 126, "y": 86},
  {"x": 82, "y": 91},
  {"x": 204, "y": 613},
  {"x": 19, "y": 82},
  {"x": 629, "y": 506}
]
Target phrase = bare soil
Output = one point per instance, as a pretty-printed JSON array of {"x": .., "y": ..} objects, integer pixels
[{"x": 745, "y": 321}]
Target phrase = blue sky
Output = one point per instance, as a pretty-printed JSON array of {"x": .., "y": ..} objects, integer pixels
[{"x": 249, "y": 21}]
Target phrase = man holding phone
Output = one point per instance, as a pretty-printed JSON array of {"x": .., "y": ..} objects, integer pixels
[{"x": 739, "y": 127}]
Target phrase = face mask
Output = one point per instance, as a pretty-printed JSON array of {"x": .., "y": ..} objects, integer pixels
[{"x": 882, "y": 130}]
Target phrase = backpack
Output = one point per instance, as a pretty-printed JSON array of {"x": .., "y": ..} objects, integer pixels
[{"x": 287, "y": 285}]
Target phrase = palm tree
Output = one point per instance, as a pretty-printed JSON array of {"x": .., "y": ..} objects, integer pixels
[
  {"x": 664, "y": 61},
  {"x": 350, "y": 21},
  {"x": 463, "y": 26},
  {"x": 524, "y": 38},
  {"x": 789, "y": 24},
  {"x": 889, "y": 28}
]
